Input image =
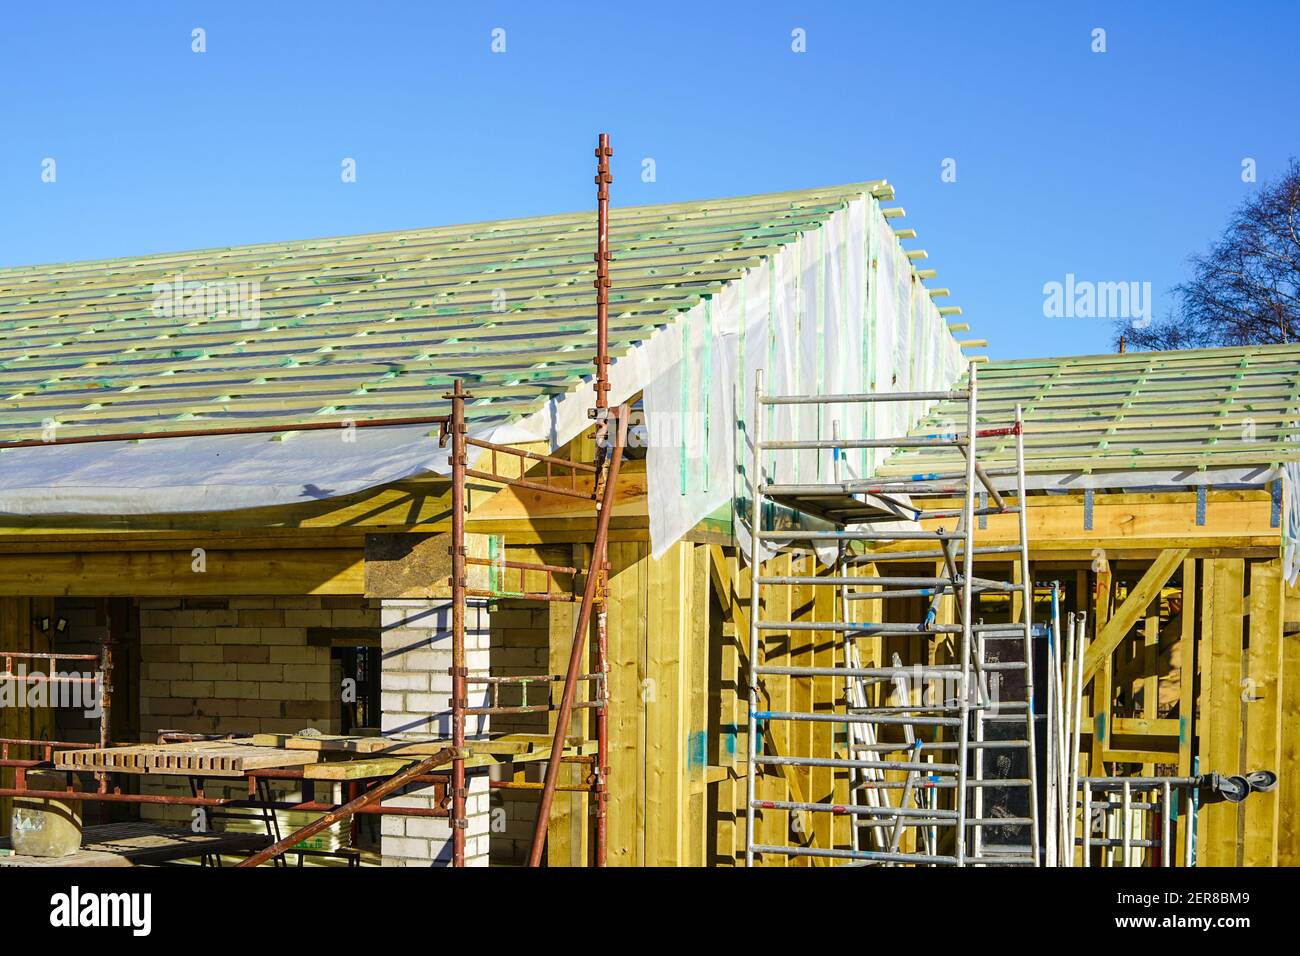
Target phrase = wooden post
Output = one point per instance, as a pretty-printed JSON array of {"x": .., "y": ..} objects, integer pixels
[{"x": 1263, "y": 706}]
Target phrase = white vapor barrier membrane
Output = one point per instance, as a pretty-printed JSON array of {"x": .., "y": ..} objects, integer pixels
[
  {"x": 838, "y": 311},
  {"x": 218, "y": 473},
  {"x": 1291, "y": 521}
]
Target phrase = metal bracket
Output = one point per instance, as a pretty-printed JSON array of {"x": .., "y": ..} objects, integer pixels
[
  {"x": 1088, "y": 496},
  {"x": 1275, "y": 517},
  {"x": 1200, "y": 505}
]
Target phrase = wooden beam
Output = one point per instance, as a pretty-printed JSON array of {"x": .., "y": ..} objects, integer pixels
[
  {"x": 1263, "y": 707},
  {"x": 1222, "y": 708},
  {"x": 191, "y": 572},
  {"x": 1134, "y": 606}
]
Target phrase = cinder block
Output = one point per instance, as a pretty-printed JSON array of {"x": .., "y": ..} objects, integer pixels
[
  {"x": 291, "y": 654},
  {"x": 260, "y": 672},
  {"x": 162, "y": 671},
  {"x": 406, "y": 848},
  {"x": 168, "y": 706},
  {"x": 281, "y": 690},
  {"x": 192, "y": 688},
  {"x": 248, "y": 690},
  {"x": 215, "y": 672},
  {"x": 261, "y": 617},
  {"x": 303, "y": 602},
  {"x": 215, "y": 618},
  {"x": 245, "y": 653},
  {"x": 218, "y": 707},
  {"x": 282, "y": 635},
  {"x": 194, "y": 635},
  {"x": 358, "y": 617},
  {"x": 240, "y": 636},
  {"x": 403, "y": 680},
  {"x": 312, "y": 618},
  {"x": 207, "y": 653},
  {"x": 306, "y": 673},
  {"x": 258, "y": 708}
]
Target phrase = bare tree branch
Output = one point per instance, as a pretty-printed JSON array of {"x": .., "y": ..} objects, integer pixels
[{"x": 1246, "y": 289}]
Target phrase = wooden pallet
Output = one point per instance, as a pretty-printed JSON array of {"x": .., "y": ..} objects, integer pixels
[{"x": 208, "y": 758}]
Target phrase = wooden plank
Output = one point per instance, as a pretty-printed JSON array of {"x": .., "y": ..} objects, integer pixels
[
  {"x": 1187, "y": 667},
  {"x": 1126, "y": 615},
  {"x": 629, "y": 574},
  {"x": 566, "y": 833},
  {"x": 1289, "y": 759},
  {"x": 168, "y": 573},
  {"x": 1263, "y": 711},
  {"x": 1221, "y": 705},
  {"x": 356, "y": 769},
  {"x": 700, "y": 638},
  {"x": 666, "y": 744}
]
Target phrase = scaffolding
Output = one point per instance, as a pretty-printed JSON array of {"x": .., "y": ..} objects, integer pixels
[
  {"x": 596, "y": 483},
  {"x": 917, "y": 733},
  {"x": 610, "y": 441}
]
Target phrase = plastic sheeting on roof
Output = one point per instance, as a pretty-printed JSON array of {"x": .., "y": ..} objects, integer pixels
[{"x": 839, "y": 311}]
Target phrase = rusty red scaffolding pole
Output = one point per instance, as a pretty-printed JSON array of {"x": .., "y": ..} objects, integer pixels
[
  {"x": 600, "y": 552},
  {"x": 574, "y": 672},
  {"x": 367, "y": 799},
  {"x": 459, "y": 671}
]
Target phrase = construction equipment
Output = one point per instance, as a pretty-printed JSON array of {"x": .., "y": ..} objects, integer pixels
[{"x": 944, "y": 746}]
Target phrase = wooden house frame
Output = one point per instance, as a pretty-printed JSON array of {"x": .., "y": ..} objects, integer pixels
[{"x": 374, "y": 326}]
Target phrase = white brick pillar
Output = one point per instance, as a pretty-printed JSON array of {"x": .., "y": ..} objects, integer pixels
[{"x": 416, "y": 700}]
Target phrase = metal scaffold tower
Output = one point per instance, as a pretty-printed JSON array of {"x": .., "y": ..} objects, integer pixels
[{"x": 938, "y": 751}]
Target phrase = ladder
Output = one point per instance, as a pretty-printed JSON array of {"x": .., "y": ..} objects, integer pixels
[{"x": 944, "y": 745}]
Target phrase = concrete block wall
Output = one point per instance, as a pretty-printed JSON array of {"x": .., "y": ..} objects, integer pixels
[
  {"x": 416, "y": 694},
  {"x": 240, "y": 665},
  {"x": 84, "y": 634},
  {"x": 519, "y": 641}
]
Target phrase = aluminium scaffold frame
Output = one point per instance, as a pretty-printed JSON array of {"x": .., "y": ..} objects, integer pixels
[{"x": 850, "y": 507}]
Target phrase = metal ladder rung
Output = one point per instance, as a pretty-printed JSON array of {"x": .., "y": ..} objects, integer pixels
[
  {"x": 871, "y": 558},
  {"x": 893, "y": 721},
  {"x": 857, "y": 810},
  {"x": 1009, "y": 782},
  {"x": 849, "y": 764},
  {"x": 1002, "y": 860},
  {"x": 937, "y": 440},
  {"x": 883, "y": 857},
  {"x": 999, "y": 822},
  {"x": 928, "y": 671}
]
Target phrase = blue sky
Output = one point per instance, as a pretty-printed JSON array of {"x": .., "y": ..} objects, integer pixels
[{"x": 1110, "y": 166}]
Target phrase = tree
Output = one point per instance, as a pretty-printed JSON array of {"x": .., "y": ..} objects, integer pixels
[{"x": 1246, "y": 289}]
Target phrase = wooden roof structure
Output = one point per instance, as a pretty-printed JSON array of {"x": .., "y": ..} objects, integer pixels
[
  {"x": 1135, "y": 411},
  {"x": 370, "y": 326}
]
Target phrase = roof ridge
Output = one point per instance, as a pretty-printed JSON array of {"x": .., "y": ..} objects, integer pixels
[{"x": 839, "y": 191}]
